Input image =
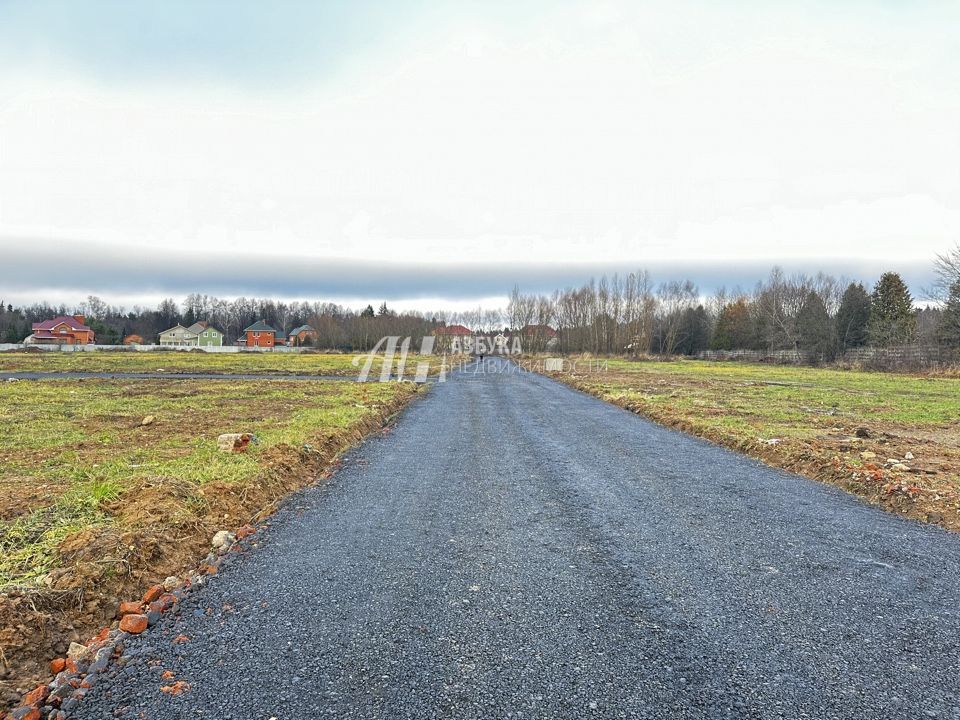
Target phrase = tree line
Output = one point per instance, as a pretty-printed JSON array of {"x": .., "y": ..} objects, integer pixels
[{"x": 818, "y": 316}]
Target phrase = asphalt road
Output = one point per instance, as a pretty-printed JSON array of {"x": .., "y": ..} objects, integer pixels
[{"x": 515, "y": 549}]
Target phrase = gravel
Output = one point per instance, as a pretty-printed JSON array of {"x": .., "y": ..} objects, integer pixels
[{"x": 513, "y": 548}]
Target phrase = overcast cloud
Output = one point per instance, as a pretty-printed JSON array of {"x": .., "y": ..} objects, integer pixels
[{"x": 436, "y": 152}]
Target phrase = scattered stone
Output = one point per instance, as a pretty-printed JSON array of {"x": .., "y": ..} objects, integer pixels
[
  {"x": 164, "y": 602},
  {"x": 222, "y": 539},
  {"x": 147, "y": 421},
  {"x": 908, "y": 456},
  {"x": 245, "y": 531},
  {"x": 25, "y": 713},
  {"x": 58, "y": 665},
  {"x": 68, "y": 705},
  {"x": 171, "y": 583},
  {"x": 867, "y": 455},
  {"x": 133, "y": 624},
  {"x": 900, "y": 467},
  {"x": 862, "y": 432},
  {"x": 78, "y": 652},
  {"x": 101, "y": 662},
  {"x": 235, "y": 442}
]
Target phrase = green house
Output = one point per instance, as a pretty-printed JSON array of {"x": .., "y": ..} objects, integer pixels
[{"x": 206, "y": 334}]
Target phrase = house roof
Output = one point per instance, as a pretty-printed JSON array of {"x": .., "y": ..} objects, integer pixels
[
  {"x": 199, "y": 327},
  {"x": 68, "y": 320},
  {"x": 534, "y": 329},
  {"x": 302, "y": 328},
  {"x": 260, "y": 326},
  {"x": 453, "y": 330},
  {"x": 178, "y": 325}
]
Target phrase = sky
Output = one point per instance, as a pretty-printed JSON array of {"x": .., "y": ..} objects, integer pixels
[{"x": 435, "y": 153}]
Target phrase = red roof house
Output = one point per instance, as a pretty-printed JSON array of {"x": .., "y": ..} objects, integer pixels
[
  {"x": 453, "y": 330},
  {"x": 542, "y": 330},
  {"x": 63, "y": 330}
]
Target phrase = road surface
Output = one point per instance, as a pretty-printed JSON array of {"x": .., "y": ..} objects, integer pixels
[{"x": 515, "y": 549}]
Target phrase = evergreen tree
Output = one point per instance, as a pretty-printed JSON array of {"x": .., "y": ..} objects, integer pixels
[
  {"x": 735, "y": 328},
  {"x": 367, "y": 312},
  {"x": 694, "y": 332},
  {"x": 892, "y": 320},
  {"x": 853, "y": 317},
  {"x": 948, "y": 329},
  {"x": 815, "y": 330}
]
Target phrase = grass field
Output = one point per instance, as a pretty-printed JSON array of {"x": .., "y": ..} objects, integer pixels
[
  {"x": 199, "y": 361},
  {"x": 95, "y": 504},
  {"x": 907, "y": 454}
]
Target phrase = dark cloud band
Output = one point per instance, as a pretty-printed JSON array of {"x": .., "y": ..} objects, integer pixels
[{"x": 84, "y": 268}]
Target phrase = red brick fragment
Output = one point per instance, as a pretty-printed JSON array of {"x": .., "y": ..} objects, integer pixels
[
  {"x": 133, "y": 624},
  {"x": 35, "y": 697},
  {"x": 176, "y": 689},
  {"x": 153, "y": 593},
  {"x": 58, "y": 665},
  {"x": 130, "y": 608}
]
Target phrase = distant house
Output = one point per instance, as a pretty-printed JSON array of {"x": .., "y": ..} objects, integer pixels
[
  {"x": 178, "y": 336},
  {"x": 451, "y": 337},
  {"x": 538, "y": 331},
  {"x": 62, "y": 330},
  {"x": 303, "y": 335},
  {"x": 261, "y": 335},
  {"x": 133, "y": 340},
  {"x": 453, "y": 330},
  {"x": 200, "y": 334},
  {"x": 207, "y": 334},
  {"x": 539, "y": 337}
]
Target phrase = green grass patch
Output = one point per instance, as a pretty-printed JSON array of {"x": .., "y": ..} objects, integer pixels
[{"x": 86, "y": 442}]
